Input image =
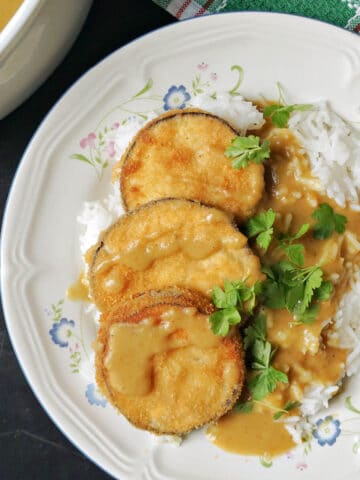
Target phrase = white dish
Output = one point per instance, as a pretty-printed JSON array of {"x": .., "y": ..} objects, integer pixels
[
  {"x": 40, "y": 255},
  {"x": 33, "y": 43}
]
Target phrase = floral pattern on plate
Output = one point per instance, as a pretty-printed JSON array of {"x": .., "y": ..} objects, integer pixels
[{"x": 97, "y": 150}]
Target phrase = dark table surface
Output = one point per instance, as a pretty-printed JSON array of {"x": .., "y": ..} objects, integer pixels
[{"x": 31, "y": 447}]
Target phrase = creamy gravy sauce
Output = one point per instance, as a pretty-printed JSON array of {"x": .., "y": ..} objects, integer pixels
[
  {"x": 79, "y": 290},
  {"x": 8, "y": 9},
  {"x": 303, "y": 352},
  {"x": 133, "y": 347}
]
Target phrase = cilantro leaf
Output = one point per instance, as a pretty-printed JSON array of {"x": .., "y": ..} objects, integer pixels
[
  {"x": 294, "y": 296},
  {"x": 327, "y": 222},
  {"x": 312, "y": 282},
  {"x": 295, "y": 288},
  {"x": 253, "y": 292},
  {"x": 261, "y": 226},
  {"x": 295, "y": 253},
  {"x": 244, "y": 150},
  {"x": 307, "y": 317},
  {"x": 225, "y": 298},
  {"x": 291, "y": 405},
  {"x": 222, "y": 319},
  {"x": 245, "y": 407},
  {"x": 235, "y": 297},
  {"x": 323, "y": 292},
  {"x": 257, "y": 330},
  {"x": 280, "y": 114},
  {"x": 274, "y": 294},
  {"x": 265, "y": 382},
  {"x": 300, "y": 233},
  {"x": 261, "y": 353}
]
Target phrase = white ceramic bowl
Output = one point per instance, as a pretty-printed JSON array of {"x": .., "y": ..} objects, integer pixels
[{"x": 33, "y": 43}]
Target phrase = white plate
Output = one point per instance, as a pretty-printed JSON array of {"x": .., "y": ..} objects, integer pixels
[{"x": 40, "y": 256}]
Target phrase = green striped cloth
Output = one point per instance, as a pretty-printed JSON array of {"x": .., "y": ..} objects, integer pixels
[{"x": 344, "y": 13}]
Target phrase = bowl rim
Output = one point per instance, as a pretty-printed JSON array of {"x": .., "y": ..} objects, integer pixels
[{"x": 18, "y": 26}]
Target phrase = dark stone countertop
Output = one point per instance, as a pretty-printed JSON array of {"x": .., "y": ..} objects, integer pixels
[{"x": 31, "y": 446}]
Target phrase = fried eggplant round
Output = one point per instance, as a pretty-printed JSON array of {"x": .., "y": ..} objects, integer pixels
[
  {"x": 181, "y": 154},
  {"x": 161, "y": 366},
  {"x": 167, "y": 243}
]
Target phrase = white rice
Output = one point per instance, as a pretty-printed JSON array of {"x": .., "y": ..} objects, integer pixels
[
  {"x": 242, "y": 115},
  {"x": 333, "y": 147}
]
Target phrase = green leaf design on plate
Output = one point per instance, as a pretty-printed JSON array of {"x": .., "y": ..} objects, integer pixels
[
  {"x": 147, "y": 87},
  {"x": 82, "y": 158},
  {"x": 240, "y": 72},
  {"x": 350, "y": 406},
  {"x": 356, "y": 447}
]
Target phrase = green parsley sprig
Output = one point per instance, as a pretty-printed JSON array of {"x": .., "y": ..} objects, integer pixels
[
  {"x": 235, "y": 299},
  {"x": 327, "y": 222},
  {"x": 244, "y": 150},
  {"x": 295, "y": 288},
  {"x": 295, "y": 252},
  {"x": 261, "y": 227},
  {"x": 280, "y": 114},
  {"x": 265, "y": 376}
]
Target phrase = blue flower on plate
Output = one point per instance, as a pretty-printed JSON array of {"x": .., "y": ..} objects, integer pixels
[
  {"x": 176, "y": 97},
  {"x": 327, "y": 431},
  {"x": 94, "y": 396},
  {"x": 61, "y": 332}
]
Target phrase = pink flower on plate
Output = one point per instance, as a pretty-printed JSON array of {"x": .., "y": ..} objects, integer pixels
[
  {"x": 302, "y": 466},
  {"x": 88, "y": 141},
  {"x": 202, "y": 66},
  {"x": 213, "y": 76},
  {"x": 111, "y": 148},
  {"x": 116, "y": 125}
]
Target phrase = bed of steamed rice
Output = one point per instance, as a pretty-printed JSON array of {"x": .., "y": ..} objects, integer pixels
[{"x": 333, "y": 147}]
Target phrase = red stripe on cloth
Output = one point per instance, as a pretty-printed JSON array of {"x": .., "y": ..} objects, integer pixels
[
  {"x": 182, "y": 9},
  {"x": 204, "y": 8}
]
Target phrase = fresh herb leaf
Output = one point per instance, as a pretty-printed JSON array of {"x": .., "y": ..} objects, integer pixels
[
  {"x": 324, "y": 291},
  {"x": 226, "y": 298},
  {"x": 295, "y": 253},
  {"x": 327, "y": 222},
  {"x": 253, "y": 293},
  {"x": 235, "y": 297},
  {"x": 261, "y": 353},
  {"x": 245, "y": 407},
  {"x": 300, "y": 233},
  {"x": 307, "y": 317},
  {"x": 261, "y": 227},
  {"x": 280, "y": 114},
  {"x": 222, "y": 319},
  {"x": 274, "y": 294},
  {"x": 244, "y": 150},
  {"x": 257, "y": 330},
  {"x": 291, "y": 405},
  {"x": 312, "y": 282},
  {"x": 265, "y": 382},
  {"x": 294, "y": 296},
  {"x": 295, "y": 288}
]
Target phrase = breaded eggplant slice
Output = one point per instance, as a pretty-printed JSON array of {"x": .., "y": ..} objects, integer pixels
[
  {"x": 181, "y": 154},
  {"x": 169, "y": 242},
  {"x": 160, "y": 365}
]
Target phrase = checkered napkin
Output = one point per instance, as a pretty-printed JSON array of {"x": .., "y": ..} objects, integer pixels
[{"x": 344, "y": 13}]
